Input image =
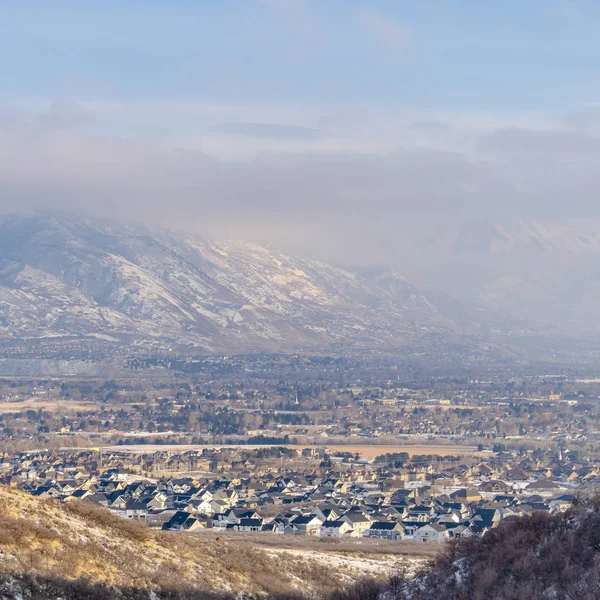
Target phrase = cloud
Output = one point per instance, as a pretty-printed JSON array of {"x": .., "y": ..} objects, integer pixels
[
  {"x": 65, "y": 114},
  {"x": 270, "y": 131},
  {"x": 372, "y": 178},
  {"x": 518, "y": 141},
  {"x": 344, "y": 118},
  {"x": 171, "y": 179},
  {"x": 391, "y": 33}
]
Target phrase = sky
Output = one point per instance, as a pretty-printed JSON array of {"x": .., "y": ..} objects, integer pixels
[{"x": 327, "y": 126}]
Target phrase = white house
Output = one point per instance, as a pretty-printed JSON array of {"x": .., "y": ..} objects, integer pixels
[{"x": 432, "y": 532}]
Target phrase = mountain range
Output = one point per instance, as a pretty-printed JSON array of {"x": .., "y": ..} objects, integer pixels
[
  {"x": 64, "y": 276},
  {"x": 69, "y": 278}
]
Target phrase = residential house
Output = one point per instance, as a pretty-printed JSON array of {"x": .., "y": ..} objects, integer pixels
[
  {"x": 385, "y": 530},
  {"x": 249, "y": 525},
  {"x": 183, "y": 521},
  {"x": 307, "y": 525},
  {"x": 432, "y": 532},
  {"x": 336, "y": 529}
]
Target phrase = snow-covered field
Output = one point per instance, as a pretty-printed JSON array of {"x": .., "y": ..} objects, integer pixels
[{"x": 357, "y": 565}]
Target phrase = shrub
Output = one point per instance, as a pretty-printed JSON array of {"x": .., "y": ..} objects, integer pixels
[{"x": 102, "y": 517}]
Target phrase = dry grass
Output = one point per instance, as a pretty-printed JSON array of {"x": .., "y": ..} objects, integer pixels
[
  {"x": 362, "y": 546},
  {"x": 78, "y": 541},
  {"x": 47, "y": 405},
  {"x": 131, "y": 530}
]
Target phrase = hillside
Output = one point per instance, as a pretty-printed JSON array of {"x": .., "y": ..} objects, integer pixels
[
  {"x": 51, "y": 551},
  {"x": 539, "y": 557},
  {"x": 68, "y": 278}
]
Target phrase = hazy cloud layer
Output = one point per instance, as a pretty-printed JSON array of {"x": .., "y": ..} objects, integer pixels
[
  {"x": 327, "y": 180},
  {"x": 518, "y": 141},
  {"x": 270, "y": 131}
]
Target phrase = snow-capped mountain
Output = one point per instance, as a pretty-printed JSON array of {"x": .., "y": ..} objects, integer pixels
[{"x": 76, "y": 277}]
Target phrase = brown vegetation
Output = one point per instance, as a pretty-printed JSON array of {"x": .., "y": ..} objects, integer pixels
[
  {"x": 537, "y": 557},
  {"x": 362, "y": 546},
  {"x": 43, "y": 543},
  {"x": 77, "y": 551}
]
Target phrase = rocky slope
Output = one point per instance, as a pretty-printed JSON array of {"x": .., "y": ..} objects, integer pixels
[{"x": 73, "y": 277}]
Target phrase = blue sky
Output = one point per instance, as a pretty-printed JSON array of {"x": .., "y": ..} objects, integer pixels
[
  {"x": 289, "y": 120},
  {"x": 450, "y": 54}
]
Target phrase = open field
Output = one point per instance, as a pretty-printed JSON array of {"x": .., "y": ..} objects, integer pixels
[
  {"x": 365, "y": 451},
  {"x": 356, "y": 566},
  {"x": 341, "y": 546},
  {"x": 354, "y": 557},
  {"x": 48, "y": 405}
]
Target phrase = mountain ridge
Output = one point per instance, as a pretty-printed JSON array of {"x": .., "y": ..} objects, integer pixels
[{"x": 63, "y": 275}]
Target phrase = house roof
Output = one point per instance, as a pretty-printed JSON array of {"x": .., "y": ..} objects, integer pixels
[
  {"x": 356, "y": 517},
  {"x": 334, "y": 524},
  {"x": 178, "y": 519},
  {"x": 434, "y": 526},
  {"x": 384, "y": 525},
  {"x": 542, "y": 484},
  {"x": 304, "y": 520},
  {"x": 250, "y": 523}
]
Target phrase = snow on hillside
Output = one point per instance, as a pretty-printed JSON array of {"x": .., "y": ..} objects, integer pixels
[{"x": 75, "y": 276}]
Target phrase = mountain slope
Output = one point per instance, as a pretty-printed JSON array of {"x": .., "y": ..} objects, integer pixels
[{"x": 75, "y": 277}]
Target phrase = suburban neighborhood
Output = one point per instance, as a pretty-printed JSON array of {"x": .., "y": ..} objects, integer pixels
[{"x": 330, "y": 496}]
